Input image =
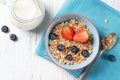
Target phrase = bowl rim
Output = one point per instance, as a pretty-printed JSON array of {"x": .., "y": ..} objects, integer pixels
[{"x": 75, "y": 16}]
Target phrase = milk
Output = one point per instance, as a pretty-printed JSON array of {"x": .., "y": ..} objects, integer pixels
[
  {"x": 27, "y": 14},
  {"x": 24, "y": 9}
]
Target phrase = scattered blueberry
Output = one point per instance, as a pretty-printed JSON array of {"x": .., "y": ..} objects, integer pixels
[
  {"x": 13, "y": 37},
  {"x": 69, "y": 57},
  {"x": 52, "y": 36},
  {"x": 85, "y": 53},
  {"x": 61, "y": 47},
  {"x": 74, "y": 49},
  {"x": 4, "y": 29},
  {"x": 111, "y": 58}
]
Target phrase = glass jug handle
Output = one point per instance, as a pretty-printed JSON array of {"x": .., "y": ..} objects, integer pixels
[{"x": 40, "y": 8}]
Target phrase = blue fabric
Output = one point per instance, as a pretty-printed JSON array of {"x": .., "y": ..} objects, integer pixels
[{"x": 97, "y": 12}]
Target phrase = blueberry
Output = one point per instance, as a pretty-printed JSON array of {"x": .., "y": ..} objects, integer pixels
[
  {"x": 111, "y": 58},
  {"x": 74, "y": 49},
  {"x": 13, "y": 37},
  {"x": 4, "y": 29},
  {"x": 69, "y": 57},
  {"x": 52, "y": 36},
  {"x": 85, "y": 53},
  {"x": 61, "y": 47}
]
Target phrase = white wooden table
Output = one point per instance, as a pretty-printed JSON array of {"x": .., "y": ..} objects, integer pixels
[{"x": 18, "y": 60}]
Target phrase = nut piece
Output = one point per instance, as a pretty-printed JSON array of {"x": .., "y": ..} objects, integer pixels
[
  {"x": 105, "y": 28},
  {"x": 106, "y": 21}
]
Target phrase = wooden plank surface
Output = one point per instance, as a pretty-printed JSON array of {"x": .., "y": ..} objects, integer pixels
[{"x": 18, "y": 60}]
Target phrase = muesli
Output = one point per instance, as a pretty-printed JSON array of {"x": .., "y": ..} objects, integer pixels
[{"x": 70, "y": 42}]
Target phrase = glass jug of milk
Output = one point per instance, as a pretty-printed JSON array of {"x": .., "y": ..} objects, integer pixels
[{"x": 26, "y": 14}]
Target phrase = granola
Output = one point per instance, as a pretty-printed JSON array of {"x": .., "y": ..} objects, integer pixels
[{"x": 65, "y": 55}]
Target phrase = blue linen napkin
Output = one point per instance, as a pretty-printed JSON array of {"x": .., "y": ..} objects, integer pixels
[{"x": 97, "y": 12}]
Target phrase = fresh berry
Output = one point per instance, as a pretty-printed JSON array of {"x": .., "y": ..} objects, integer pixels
[
  {"x": 52, "y": 36},
  {"x": 74, "y": 49},
  {"x": 85, "y": 53},
  {"x": 4, "y": 29},
  {"x": 13, "y": 37},
  {"x": 67, "y": 32},
  {"x": 81, "y": 36},
  {"x": 61, "y": 47},
  {"x": 69, "y": 57},
  {"x": 111, "y": 58}
]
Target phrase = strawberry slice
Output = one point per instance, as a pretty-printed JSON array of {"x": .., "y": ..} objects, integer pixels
[
  {"x": 81, "y": 36},
  {"x": 67, "y": 32}
]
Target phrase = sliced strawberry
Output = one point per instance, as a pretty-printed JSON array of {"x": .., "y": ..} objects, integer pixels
[
  {"x": 67, "y": 32},
  {"x": 81, "y": 36}
]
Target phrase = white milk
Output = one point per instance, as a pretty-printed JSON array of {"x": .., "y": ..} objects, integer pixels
[
  {"x": 25, "y": 9},
  {"x": 30, "y": 13}
]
